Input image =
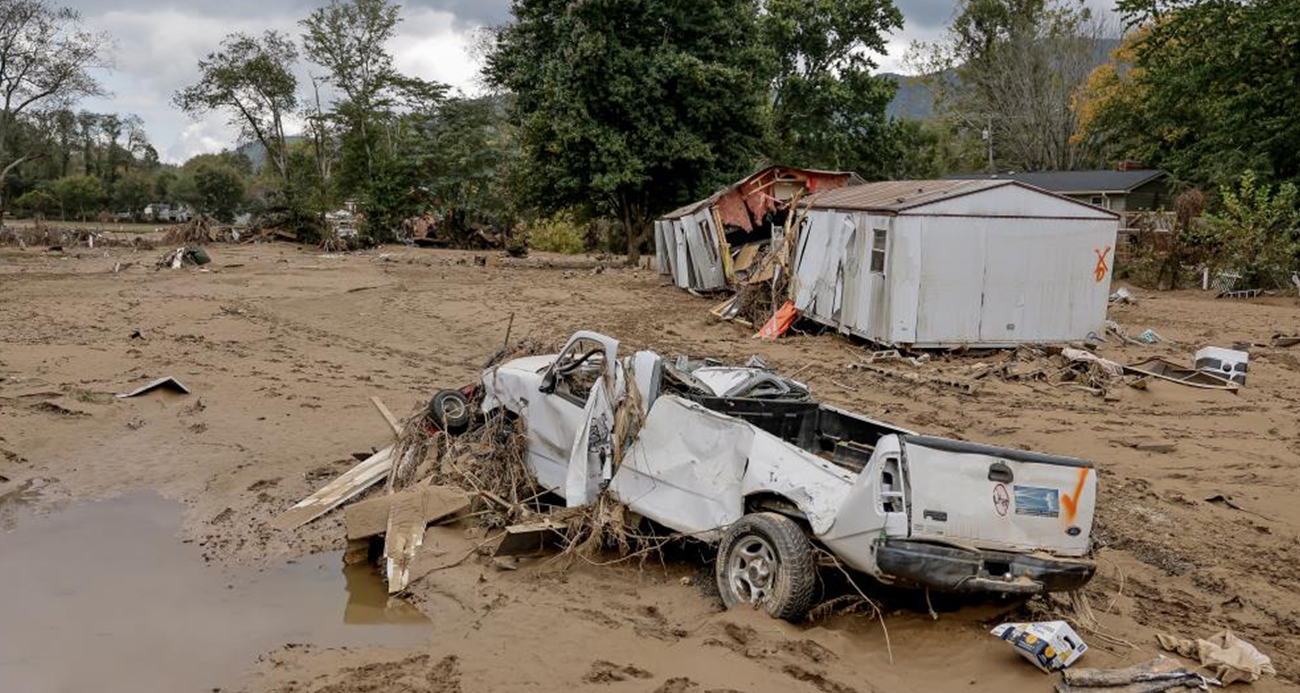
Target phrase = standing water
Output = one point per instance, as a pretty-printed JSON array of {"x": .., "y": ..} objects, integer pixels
[{"x": 103, "y": 596}]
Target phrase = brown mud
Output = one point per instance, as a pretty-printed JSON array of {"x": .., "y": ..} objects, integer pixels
[{"x": 282, "y": 347}]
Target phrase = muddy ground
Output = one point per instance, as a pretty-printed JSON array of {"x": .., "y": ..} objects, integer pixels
[{"x": 283, "y": 346}]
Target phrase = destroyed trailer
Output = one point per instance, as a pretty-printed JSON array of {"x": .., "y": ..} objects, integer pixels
[{"x": 748, "y": 460}]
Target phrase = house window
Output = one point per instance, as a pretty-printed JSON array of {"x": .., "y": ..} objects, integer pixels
[
  {"x": 878, "y": 251},
  {"x": 1099, "y": 201}
]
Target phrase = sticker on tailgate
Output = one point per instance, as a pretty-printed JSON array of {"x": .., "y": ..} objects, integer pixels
[{"x": 1038, "y": 501}]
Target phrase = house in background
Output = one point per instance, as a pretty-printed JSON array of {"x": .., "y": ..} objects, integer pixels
[{"x": 1122, "y": 190}]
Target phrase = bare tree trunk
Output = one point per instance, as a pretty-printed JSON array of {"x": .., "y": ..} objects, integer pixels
[{"x": 634, "y": 226}]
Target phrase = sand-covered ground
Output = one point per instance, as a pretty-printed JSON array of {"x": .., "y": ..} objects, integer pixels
[{"x": 283, "y": 346}]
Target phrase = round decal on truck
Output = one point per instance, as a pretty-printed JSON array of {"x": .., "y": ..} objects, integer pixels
[{"x": 1001, "y": 499}]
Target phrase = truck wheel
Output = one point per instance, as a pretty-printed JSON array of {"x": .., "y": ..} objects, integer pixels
[
  {"x": 450, "y": 411},
  {"x": 765, "y": 560}
]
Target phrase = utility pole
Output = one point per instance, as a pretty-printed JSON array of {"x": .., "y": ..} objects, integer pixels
[{"x": 988, "y": 137}]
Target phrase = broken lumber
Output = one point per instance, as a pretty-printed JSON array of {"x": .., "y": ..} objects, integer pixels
[
  {"x": 369, "y": 518},
  {"x": 409, "y": 513},
  {"x": 388, "y": 416},
  {"x": 529, "y": 538},
  {"x": 347, "y": 486}
]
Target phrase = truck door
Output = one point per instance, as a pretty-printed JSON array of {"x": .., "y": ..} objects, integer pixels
[{"x": 560, "y": 410}]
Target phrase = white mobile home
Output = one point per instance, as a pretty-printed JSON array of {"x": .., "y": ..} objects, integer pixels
[{"x": 954, "y": 262}]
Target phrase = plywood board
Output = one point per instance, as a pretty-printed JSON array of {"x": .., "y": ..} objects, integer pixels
[{"x": 347, "y": 486}]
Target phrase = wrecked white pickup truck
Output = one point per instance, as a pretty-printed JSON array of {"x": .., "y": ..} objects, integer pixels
[{"x": 747, "y": 459}]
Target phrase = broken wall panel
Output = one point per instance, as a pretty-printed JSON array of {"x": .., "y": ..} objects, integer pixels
[{"x": 747, "y": 208}]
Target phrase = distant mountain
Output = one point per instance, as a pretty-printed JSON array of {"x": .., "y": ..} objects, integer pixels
[{"x": 914, "y": 100}]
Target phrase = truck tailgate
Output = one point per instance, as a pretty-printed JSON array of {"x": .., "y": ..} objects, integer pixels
[{"x": 997, "y": 498}]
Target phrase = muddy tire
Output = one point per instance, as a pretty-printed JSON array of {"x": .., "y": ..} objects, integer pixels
[
  {"x": 451, "y": 411},
  {"x": 766, "y": 560}
]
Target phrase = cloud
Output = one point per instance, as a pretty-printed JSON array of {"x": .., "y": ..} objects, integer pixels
[{"x": 430, "y": 45}]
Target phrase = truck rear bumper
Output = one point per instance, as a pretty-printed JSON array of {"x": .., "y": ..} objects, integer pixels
[{"x": 953, "y": 569}]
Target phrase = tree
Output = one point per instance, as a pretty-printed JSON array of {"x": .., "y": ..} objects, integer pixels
[
  {"x": 631, "y": 106},
  {"x": 1259, "y": 229},
  {"x": 828, "y": 110},
  {"x": 132, "y": 192},
  {"x": 45, "y": 57},
  {"x": 252, "y": 80},
  {"x": 219, "y": 191},
  {"x": 1202, "y": 88},
  {"x": 77, "y": 194},
  {"x": 468, "y": 154},
  {"x": 347, "y": 38},
  {"x": 1009, "y": 70}
]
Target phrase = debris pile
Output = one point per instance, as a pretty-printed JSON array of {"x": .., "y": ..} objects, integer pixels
[
  {"x": 59, "y": 238},
  {"x": 199, "y": 231}
]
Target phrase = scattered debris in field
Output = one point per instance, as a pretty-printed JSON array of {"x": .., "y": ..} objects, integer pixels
[
  {"x": 1229, "y": 364},
  {"x": 1149, "y": 336},
  {"x": 1050, "y": 645},
  {"x": 1285, "y": 340},
  {"x": 1122, "y": 295},
  {"x": 1162, "y": 369},
  {"x": 166, "y": 383},
  {"x": 1157, "y": 675},
  {"x": 183, "y": 257},
  {"x": 1229, "y": 657}
]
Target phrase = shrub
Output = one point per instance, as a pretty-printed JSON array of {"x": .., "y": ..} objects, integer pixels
[{"x": 557, "y": 234}]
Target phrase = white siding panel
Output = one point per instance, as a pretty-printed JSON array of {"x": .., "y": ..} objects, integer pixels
[
  {"x": 682, "y": 266},
  {"x": 951, "y": 279},
  {"x": 1040, "y": 282},
  {"x": 661, "y": 248}
]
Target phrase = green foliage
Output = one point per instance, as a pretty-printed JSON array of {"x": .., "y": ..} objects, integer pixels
[
  {"x": 252, "y": 79},
  {"x": 238, "y": 162},
  {"x": 37, "y": 202},
  {"x": 1259, "y": 230},
  {"x": 347, "y": 38},
  {"x": 77, "y": 195},
  {"x": 559, "y": 233},
  {"x": 829, "y": 110},
  {"x": 465, "y": 154},
  {"x": 387, "y": 200},
  {"x": 631, "y": 106},
  {"x": 219, "y": 191},
  {"x": 1211, "y": 90},
  {"x": 132, "y": 192}
]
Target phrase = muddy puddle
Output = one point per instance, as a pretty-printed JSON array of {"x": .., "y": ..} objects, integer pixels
[{"x": 103, "y": 596}]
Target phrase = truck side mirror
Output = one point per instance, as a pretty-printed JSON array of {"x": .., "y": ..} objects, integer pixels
[{"x": 548, "y": 382}]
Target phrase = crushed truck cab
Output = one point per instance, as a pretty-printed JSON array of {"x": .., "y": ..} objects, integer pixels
[{"x": 748, "y": 459}]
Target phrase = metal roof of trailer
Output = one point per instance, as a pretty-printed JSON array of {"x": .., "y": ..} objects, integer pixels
[
  {"x": 892, "y": 197},
  {"x": 898, "y": 195}
]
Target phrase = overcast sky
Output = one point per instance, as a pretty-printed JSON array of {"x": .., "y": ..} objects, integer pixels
[{"x": 159, "y": 43}]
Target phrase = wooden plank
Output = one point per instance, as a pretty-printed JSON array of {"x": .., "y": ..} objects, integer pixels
[
  {"x": 369, "y": 518},
  {"x": 347, "y": 486},
  {"x": 388, "y": 416},
  {"x": 409, "y": 513}
]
